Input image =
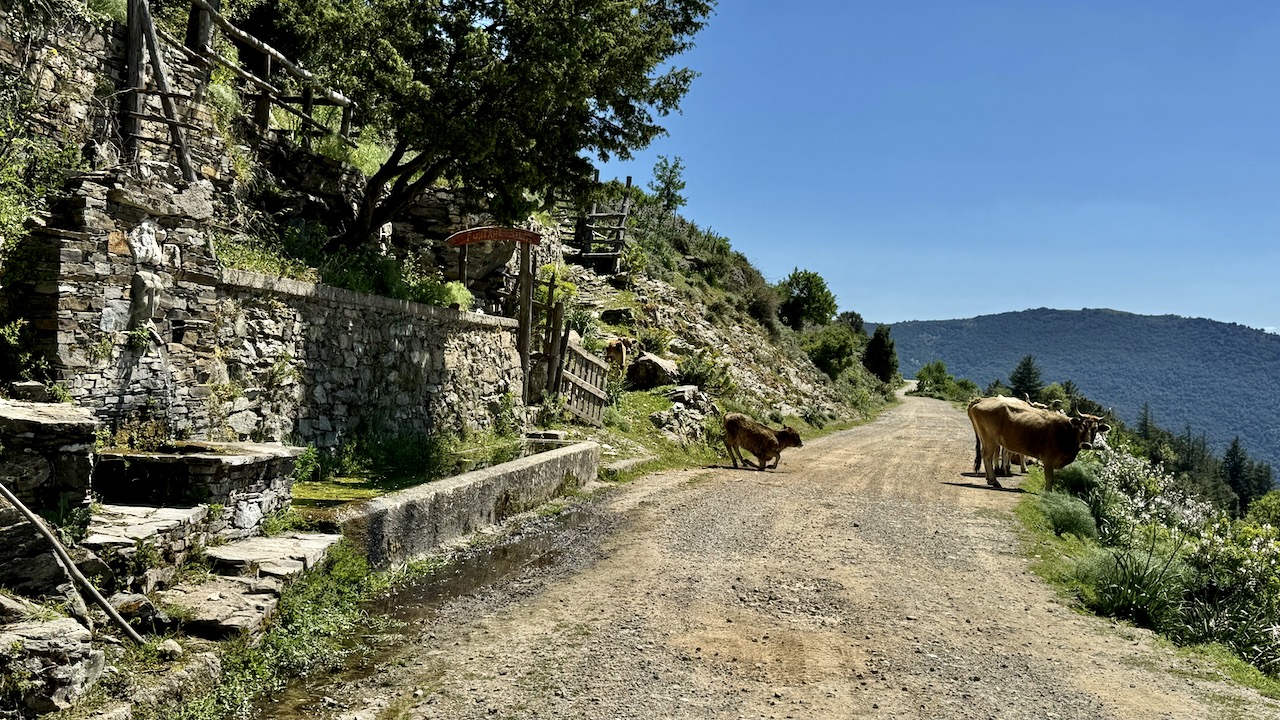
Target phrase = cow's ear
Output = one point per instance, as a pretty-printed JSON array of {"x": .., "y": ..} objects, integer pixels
[{"x": 1104, "y": 428}]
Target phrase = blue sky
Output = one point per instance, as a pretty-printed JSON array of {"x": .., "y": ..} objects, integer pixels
[{"x": 940, "y": 159}]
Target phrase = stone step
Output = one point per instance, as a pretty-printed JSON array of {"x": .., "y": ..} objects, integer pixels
[
  {"x": 146, "y": 544},
  {"x": 280, "y": 556},
  {"x": 222, "y": 607}
]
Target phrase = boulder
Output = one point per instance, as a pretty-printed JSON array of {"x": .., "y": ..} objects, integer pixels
[
  {"x": 650, "y": 371},
  {"x": 54, "y": 661}
]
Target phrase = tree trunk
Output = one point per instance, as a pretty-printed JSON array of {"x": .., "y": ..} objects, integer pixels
[{"x": 379, "y": 206}]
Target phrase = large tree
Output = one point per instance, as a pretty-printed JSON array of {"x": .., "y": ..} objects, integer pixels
[
  {"x": 507, "y": 98},
  {"x": 805, "y": 299}
]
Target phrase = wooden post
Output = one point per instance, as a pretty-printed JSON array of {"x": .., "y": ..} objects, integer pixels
[
  {"x": 462, "y": 265},
  {"x": 554, "y": 319},
  {"x": 166, "y": 95},
  {"x": 262, "y": 102},
  {"x": 200, "y": 28},
  {"x": 346, "y": 121},
  {"x": 135, "y": 78},
  {"x": 308, "y": 104},
  {"x": 549, "y": 309},
  {"x": 526, "y": 313}
]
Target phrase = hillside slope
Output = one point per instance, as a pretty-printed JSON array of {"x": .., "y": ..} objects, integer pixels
[{"x": 1220, "y": 379}]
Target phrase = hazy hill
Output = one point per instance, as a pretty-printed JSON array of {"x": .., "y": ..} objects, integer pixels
[{"x": 1221, "y": 379}]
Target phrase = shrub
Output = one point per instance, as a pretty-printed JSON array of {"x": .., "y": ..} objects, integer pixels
[
  {"x": 1078, "y": 479},
  {"x": 654, "y": 339},
  {"x": 708, "y": 370},
  {"x": 1068, "y": 514},
  {"x": 1142, "y": 586},
  {"x": 833, "y": 348},
  {"x": 1265, "y": 510}
]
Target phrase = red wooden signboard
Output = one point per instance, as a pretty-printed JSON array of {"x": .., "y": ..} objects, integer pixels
[{"x": 485, "y": 234}]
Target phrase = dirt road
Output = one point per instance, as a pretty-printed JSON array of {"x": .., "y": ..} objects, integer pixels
[{"x": 867, "y": 577}]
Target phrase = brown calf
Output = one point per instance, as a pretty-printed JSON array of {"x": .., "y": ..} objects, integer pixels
[
  {"x": 615, "y": 351},
  {"x": 743, "y": 433}
]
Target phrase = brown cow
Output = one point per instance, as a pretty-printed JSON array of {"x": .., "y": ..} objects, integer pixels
[
  {"x": 741, "y": 432},
  {"x": 615, "y": 351},
  {"x": 1052, "y": 437}
]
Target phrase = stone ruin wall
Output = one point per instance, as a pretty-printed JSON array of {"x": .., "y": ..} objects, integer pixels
[{"x": 143, "y": 324}]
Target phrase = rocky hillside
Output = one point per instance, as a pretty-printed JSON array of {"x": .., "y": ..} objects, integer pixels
[{"x": 768, "y": 375}]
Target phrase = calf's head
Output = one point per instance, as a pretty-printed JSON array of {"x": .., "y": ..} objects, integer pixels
[{"x": 788, "y": 437}]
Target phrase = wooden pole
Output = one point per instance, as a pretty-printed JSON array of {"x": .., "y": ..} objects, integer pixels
[
  {"x": 554, "y": 319},
  {"x": 70, "y": 567},
  {"x": 256, "y": 44},
  {"x": 462, "y": 265},
  {"x": 135, "y": 78},
  {"x": 166, "y": 97},
  {"x": 526, "y": 313},
  {"x": 549, "y": 310}
]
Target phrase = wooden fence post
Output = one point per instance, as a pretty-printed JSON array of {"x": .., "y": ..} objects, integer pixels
[
  {"x": 526, "y": 314},
  {"x": 135, "y": 78},
  {"x": 554, "y": 319}
]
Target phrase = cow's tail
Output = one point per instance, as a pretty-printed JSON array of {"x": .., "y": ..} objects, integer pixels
[{"x": 977, "y": 452}]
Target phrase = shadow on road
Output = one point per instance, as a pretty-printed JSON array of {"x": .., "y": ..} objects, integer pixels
[{"x": 984, "y": 486}]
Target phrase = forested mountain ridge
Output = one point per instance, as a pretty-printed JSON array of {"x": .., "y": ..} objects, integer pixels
[{"x": 1219, "y": 379}]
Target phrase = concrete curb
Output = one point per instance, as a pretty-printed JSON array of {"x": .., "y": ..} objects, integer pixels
[{"x": 398, "y": 527}]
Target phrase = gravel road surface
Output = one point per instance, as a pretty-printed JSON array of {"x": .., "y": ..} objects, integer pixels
[{"x": 868, "y": 577}]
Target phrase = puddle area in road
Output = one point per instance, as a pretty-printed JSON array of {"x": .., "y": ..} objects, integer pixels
[{"x": 417, "y": 603}]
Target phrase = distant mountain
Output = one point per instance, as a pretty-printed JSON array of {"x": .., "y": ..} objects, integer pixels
[{"x": 1221, "y": 379}]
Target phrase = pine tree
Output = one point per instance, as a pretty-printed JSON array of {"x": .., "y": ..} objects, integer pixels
[
  {"x": 881, "y": 358},
  {"x": 1234, "y": 471},
  {"x": 1025, "y": 379}
]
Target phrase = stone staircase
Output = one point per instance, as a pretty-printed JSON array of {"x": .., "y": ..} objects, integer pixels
[{"x": 144, "y": 550}]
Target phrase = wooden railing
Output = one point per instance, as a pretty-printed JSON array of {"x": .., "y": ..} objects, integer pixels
[{"x": 260, "y": 62}]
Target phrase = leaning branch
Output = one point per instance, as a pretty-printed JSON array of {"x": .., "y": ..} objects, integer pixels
[{"x": 70, "y": 567}]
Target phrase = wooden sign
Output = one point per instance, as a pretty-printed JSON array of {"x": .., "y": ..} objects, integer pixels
[{"x": 485, "y": 234}]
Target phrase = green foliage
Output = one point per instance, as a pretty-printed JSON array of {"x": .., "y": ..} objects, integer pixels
[
  {"x": 1144, "y": 586},
  {"x": 139, "y": 338},
  {"x": 668, "y": 183},
  {"x": 1080, "y": 478},
  {"x": 708, "y": 370},
  {"x": 568, "y": 81},
  {"x": 505, "y": 422},
  {"x": 805, "y": 299},
  {"x": 17, "y": 681},
  {"x": 296, "y": 251},
  {"x": 1025, "y": 381},
  {"x": 17, "y": 360},
  {"x": 317, "y": 615},
  {"x": 307, "y": 465},
  {"x": 654, "y": 339},
  {"x": 70, "y": 521},
  {"x": 933, "y": 380},
  {"x": 1068, "y": 514},
  {"x": 389, "y": 457},
  {"x": 881, "y": 359},
  {"x": 1265, "y": 510},
  {"x": 833, "y": 348}
]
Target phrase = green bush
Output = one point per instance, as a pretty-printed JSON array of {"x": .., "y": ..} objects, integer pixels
[
  {"x": 708, "y": 370},
  {"x": 1068, "y": 514},
  {"x": 1079, "y": 478},
  {"x": 1265, "y": 510},
  {"x": 1142, "y": 586},
  {"x": 833, "y": 348}
]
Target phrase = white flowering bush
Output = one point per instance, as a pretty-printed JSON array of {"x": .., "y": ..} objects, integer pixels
[
  {"x": 1179, "y": 566},
  {"x": 1132, "y": 493}
]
